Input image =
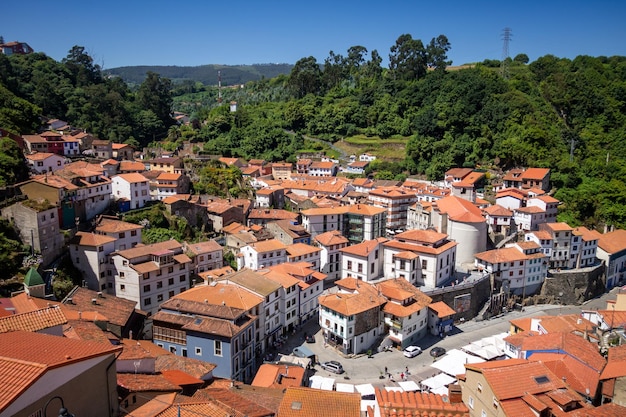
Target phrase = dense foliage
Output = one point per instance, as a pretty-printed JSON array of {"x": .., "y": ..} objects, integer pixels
[{"x": 567, "y": 115}]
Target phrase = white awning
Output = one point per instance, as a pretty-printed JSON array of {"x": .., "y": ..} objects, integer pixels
[
  {"x": 320, "y": 382},
  {"x": 438, "y": 381},
  {"x": 409, "y": 386},
  {"x": 343, "y": 387},
  {"x": 453, "y": 363}
]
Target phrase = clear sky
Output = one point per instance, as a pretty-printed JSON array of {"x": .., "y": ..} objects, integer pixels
[{"x": 138, "y": 32}]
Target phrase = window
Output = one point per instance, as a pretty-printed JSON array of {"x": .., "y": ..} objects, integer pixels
[
  {"x": 184, "y": 352},
  {"x": 173, "y": 349},
  {"x": 183, "y": 278},
  {"x": 479, "y": 387},
  {"x": 170, "y": 281},
  {"x": 360, "y": 267},
  {"x": 218, "y": 348},
  {"x": 198, "y": 351},
  {"x": 159, "y": 284},
  {"x": 171, "y": 294},
  {"x": 349, "y": 264},
  {"x": 146, "y": 288},
  {"x": 122, "y": 274},
  {"x": 122, "y": 287},
  {"x": 372, "y": 268},
  {"x": 470, "y": 402},
  {"x": 147, "y": 301},
  {"x": 160, "y": 297},
  {"x": 170, "y": 269},
  {"x": 133, "y": 233}
]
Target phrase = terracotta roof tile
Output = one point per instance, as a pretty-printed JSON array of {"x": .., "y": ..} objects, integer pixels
[
  {"x": 109, "y": 225},
  {"x": 90, "y": 239},
  {"x": 301, "y": 249},
  {"x": 613, "y": 242},
  {"x": 442, "y": 309},
  {"x": 333, "y": 237},
  {"x": 307, "y": 402},
  {"x": 247, "y": 400},
  {"x": 364, "y": 248},
  {"x": 417, "y": 404},
  {"x": 459, "y": 209},
  {"x": 279, "y": 376},
  {"x": 117, "y": 310},
  {"x": 33, "y": 321},
  {"x": 146, "y": 382}
]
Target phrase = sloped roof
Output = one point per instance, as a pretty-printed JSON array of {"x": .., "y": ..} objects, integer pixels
[
  {"x": 33, "y": 321},
  {"x": 613, "y": 242},
  {"x": 308, "y": 402},
  {"x": 33, "y": 278},
  {"x": 459, "y": 209}
]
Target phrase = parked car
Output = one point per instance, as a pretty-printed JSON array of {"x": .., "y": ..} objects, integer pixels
[
  {"x": 437, "y": 352},
  {"x": 332, "y": 366},
  {"x": 412, "y": 351},
  {"x": 310, "y": 338}
]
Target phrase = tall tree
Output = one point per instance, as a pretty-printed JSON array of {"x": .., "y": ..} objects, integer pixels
[
  {"x": 305, "y": 77},
  {"x": 155, "y": 95},
  {"x": 408, "y": 59},
  {"x": 436, "y": 52},
  {"x": 82, "y": 67}
]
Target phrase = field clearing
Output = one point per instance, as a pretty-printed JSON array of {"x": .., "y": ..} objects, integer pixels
[{"x": 391, "y": 149}]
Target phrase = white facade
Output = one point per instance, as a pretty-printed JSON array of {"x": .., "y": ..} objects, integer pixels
[
  {"x": 90, "y": 255},
  {"x": 529, "y": 218},
  {"x": 151, "y": 274},
  {"x": 45, "y": 162},
  {"x": 363, "y": 261},
  {"x": 317, "y": 221},
  {"x": 132, "y": 187},
  {"x": 262, "y": 254},
  {"x": 330, "y": 244}
]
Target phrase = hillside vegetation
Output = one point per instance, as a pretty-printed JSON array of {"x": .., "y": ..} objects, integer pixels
[{"x": 566, "y": 115}]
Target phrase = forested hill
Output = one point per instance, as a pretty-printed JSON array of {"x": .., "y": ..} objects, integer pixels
[{"x": 205, "y": 74}]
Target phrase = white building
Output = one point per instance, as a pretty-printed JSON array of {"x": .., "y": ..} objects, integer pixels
[
  {"x": 127, "y": 235},
  {"x": 331, "y": 244},
  {"x": 549, "y": 205},
  {"x": 351, "y": 318},
  {"x": 397, "y": 201},
  {"x": 363, "y": 261},
  {"x": 89, "y": 253},
  {"x": 42, "y": 162},
  {"x": 205, "y": 256},
  {"x": 519, "y": 268},
  {"x": 425, "y": 258},
  {"x": 133, "y": 187},
  {"x": 323, "y": 169},
  {"x": 612, "y": 250},
  {"x": 150, "y": 274},
  {"x": 262, "y": 254},
  {"x": 301, "y": 252},
  {"x": 529, "y": 218}
]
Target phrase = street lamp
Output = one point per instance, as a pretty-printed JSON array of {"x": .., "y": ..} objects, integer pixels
[{"x": 63, "y": 412}]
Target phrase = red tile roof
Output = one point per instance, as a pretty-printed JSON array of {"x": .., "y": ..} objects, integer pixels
[
  {"x": 279, "y": 376},
  {"x": 417, "y": 404},
  {"x": 307, "y": 402},
  {"x": 33, "y": 321}
]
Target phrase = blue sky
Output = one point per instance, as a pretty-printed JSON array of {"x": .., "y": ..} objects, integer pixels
[{"x": 138, "y": 32}]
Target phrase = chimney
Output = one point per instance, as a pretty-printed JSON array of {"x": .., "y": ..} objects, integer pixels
[
  {"x": 130, "y": 334},
  {"x": 70, "y": 301},
  {"x": 100, "y": 295},
  {"x": 94, "y": 301}
]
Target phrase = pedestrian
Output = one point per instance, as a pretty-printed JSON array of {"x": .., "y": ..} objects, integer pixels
[
  {"x": 386, "y": 371},
  {"x": 407, "y": 370},
  {"x": 402, "y": 376}
]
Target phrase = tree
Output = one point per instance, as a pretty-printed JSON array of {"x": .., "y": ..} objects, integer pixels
[
  {"x": 408, "y": 59},
  {"x": 155, "y": 94},
  {"x": 305, "y": 77},
  {"x": 521, "y": 59},
  {"x": 81, "y": 66},
  {"x": 13, "y": 167},
  {"x": 436, "y": 52}
]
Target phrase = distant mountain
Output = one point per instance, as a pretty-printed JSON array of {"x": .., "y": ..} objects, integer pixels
[{"x": 206, "y": 74}]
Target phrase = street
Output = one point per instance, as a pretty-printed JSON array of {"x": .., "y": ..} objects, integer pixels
[{"x": 361, "y": 369}]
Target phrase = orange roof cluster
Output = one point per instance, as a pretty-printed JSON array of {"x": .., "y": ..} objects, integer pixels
[
  {"x": 613, "y": 242},
  {"x": 301, "y": 249},
  {"x": 221, "y": 293},
  {"x": 502, "y": 255},
  {"x": 33, "y": 321},
  {"x": 364, "y": 248},
  {"x": 279, "y": 376},
  {"x": 459, "y": 209}
]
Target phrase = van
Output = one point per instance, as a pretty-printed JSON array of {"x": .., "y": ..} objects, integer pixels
[{"x": 332, "y": 366}]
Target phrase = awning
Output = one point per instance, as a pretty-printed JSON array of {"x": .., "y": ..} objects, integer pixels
[
  {"x": 409, "y": 386},
  {"x": 453, "y": 362},
  {"x": 438, "y": 381}
]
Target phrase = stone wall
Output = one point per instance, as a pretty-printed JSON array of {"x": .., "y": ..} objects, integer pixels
[
  {"x": 575, "y": 286},
  {"x": 478, "y": 290}
]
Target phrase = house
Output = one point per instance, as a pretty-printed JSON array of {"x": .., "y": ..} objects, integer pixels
[
  {"x": 331, "y": 244},
  {"x": 311, "y": 286},
  {"x": 455, "y": 175},
  {"x": 518, "y": 268},
  {"x": 440, "y": 318},
  {"x": 366, "y": 157},
  {"x": 205, "y": 256},
  {"x": 132, "y": 188},
  {"x": 117, "y": 315},
  {"x": 169, "y": 184},
  {"x": 333, "y": 187},
  {"x": 587, "y": 253},
  {"x": 89, "y": 253},
  {"x": 15, "y": 47},
  {"x": 172, "y": 165},
  {"x": 612, "y": 250},
  {"x": 424, "y": 258},
  {"x": 150, "y": 274},
  {"x": 418, "y": 216},
  {"x": 273, "y": 197},
  {"x": 87, "y": 189},
  {"x": 288, "y": 232},
  {"x": 303, "y": 166},
  {"x": 613, "y": 377},
  {"x": 281, "y": 170},
  {"x": 511, "y": 198},
  {"x": 498, "y": 219},
  {"x": 262, "y": 254},
  {"x": 405, "y": 313},
  {"x": 517, "y": 387},
  {"x": 122, "y": 151},
  {"x": 38, "y": 224},
  {"x": 42, "y": 162},
  {"x": 261, "y": 165},
  {"x": 397, "y": 201},
  {"x": 222, "y": 213},
  {"x": 357, "y": 223},
  {"x": 302, "y": 252},
  {"x": 411, "y": 403},
  {"x": 529, "y": 218},
  {"x": 271, "y": 317},
  {"x": 49, "y": 320},
  {"x": 299, "y": 402},
  {"x": 55, "y": 375},
  {"x": 126, "y": 235},
  {"x": 102, "y": 149},
  {"x": 263, "y": 216},
  {"x": 357, "y": 167},
  {"x": 351, "y": 317},
  {"x": 206, "y": 325},
  {"x": 363, "y": 261},
  {"x": 237, "y": 162},
  {"x": 546, "y": 202},
  {"x": 288, "y": 295},
  {"x": 323, "y": 169},
  {"x": 470, "y": 186}
]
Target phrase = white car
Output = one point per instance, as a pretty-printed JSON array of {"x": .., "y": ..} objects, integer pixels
[{"x": 412, "y": 351}]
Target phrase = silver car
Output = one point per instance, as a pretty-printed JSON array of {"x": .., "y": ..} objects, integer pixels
[{"x": 332, "y": 366}]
